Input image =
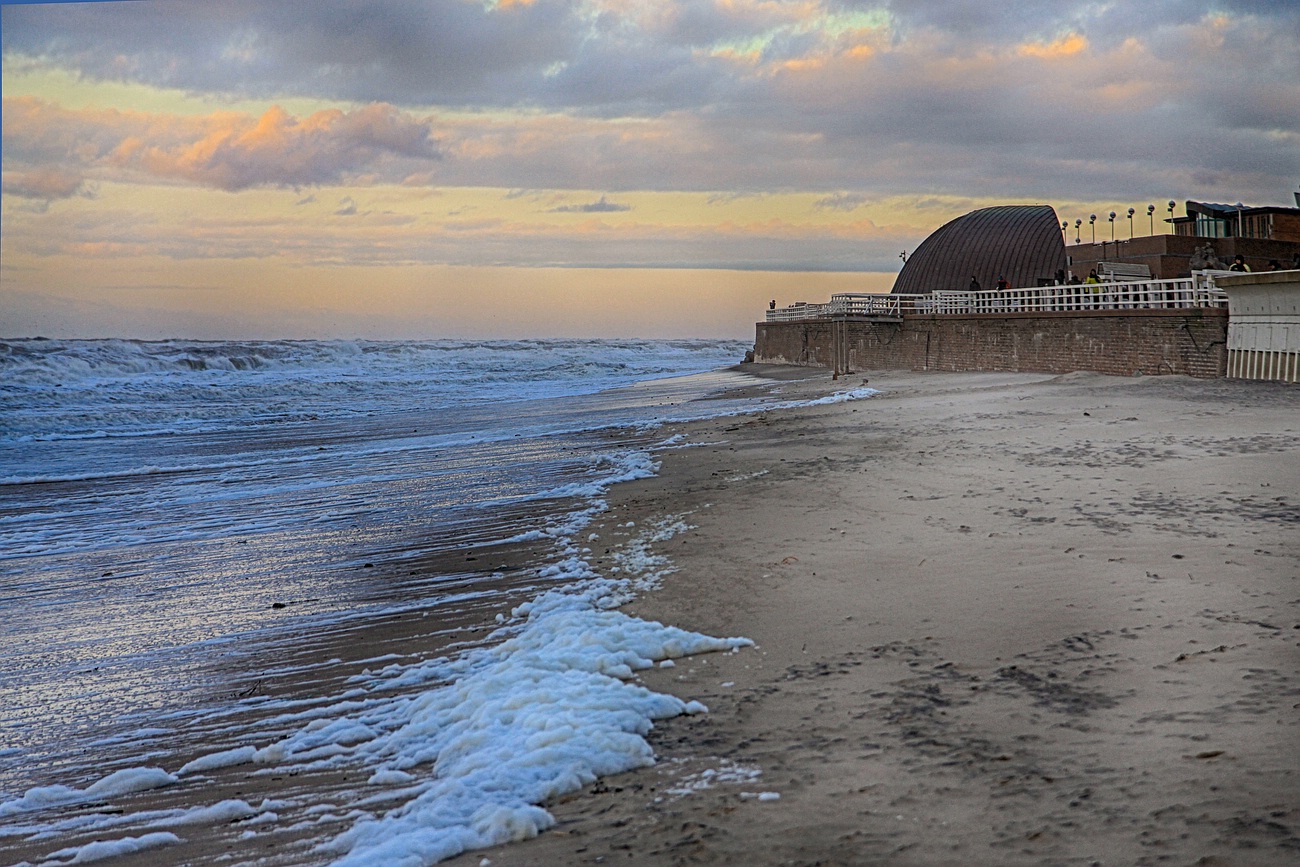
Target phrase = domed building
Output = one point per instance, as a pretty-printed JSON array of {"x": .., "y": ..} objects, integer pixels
[{"x": 1022, "y": 243}]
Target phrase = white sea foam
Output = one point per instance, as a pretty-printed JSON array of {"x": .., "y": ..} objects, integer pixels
[
  {"x": 117, "y": 783},
  {"x": 101, "y": 849},
  {"x": 727, "y": 773},
  {"x": 223, "y": 759},
  {"x": 542, "y": 713},
  {"x": 761, "y": 796},
  {"x": 103, "y": 823}
]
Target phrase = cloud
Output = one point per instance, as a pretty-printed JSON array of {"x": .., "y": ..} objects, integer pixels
[
  {"x": 277, "y": 149},
  {"x": 841, "y": 202},
  {"x": 224, "y": 150},
  {"x": 44, "y": 183},
  {"x": 1029, "y": 101},
  {"x": 600, "y": 206},
  {"x": 727, "y": 198},
  {"x": 203, "y": 225},
  {"x": 454, "y": 52}
]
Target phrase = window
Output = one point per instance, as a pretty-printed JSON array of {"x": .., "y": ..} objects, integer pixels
[
  {"x": 1211, "y": 227},
  {"x": 1257, "y": 226}
]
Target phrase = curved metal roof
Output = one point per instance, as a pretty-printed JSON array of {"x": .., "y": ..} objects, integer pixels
[{"x": 1020, "y": 242}]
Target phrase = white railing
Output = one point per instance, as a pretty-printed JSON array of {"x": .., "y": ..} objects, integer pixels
[
  {"x": 1187, "y": 292},
  {"x": 798, "y": 311}
]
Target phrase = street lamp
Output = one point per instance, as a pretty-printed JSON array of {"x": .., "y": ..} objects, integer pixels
[
  {"x": 1130, "y": 223},
  {"x": 1171, "y": 215},
  {"x": 1151, "y": 209},
  {"x": 1112, "y": 225},
  {"x": 1065, "y": 230},
  {"x": 1077, "y": 223},
  {"x": 1092, "y": 223}
]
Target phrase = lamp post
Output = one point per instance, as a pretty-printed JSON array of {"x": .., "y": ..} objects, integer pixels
[
  {"x": 1077, "y": 225},
  {"x": 1065, "y": 230},
  {"x": 1112, "y": 225},
  {"x": 1092, "y": 224},
  {"x": 1151, "y": 209},
  {"x": 1171, "y": 214},
  {"x": 1130, "y": 223}
]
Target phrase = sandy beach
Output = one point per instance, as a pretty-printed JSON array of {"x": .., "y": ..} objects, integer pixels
[{"x": 999, "y": 619}]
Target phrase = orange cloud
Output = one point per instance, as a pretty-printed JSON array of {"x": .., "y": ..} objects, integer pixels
[
  {"x": 43, "y": 183},
  {"x": 1067, "y": 46},
  {"x": 225, "y": 150}
]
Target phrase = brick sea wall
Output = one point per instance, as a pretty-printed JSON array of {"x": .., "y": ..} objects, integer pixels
[{"x": 1119, "y": 342}]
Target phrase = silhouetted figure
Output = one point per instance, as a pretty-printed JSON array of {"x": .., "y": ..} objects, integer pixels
[{"x": 974, "y": 284}]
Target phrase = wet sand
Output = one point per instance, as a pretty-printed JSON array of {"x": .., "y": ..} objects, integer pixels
[{"x": 1000, "y": 619}]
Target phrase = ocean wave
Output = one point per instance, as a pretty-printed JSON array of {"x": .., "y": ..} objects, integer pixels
[
  {"x": 53, "y": 389},
  {"x": 66, "y": 363}
]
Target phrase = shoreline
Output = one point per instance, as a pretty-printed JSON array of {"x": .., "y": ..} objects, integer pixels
[
  {"x": 1000, "y": 618},
  {"x": 975, "y": 640},
  {"x": 291, "y": 682}
]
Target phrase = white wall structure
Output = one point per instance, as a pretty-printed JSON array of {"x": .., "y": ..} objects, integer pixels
[{"x": 1263, "y": 325}]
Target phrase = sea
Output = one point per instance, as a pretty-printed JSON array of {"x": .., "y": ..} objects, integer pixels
[{"x": 307, "y": 558}]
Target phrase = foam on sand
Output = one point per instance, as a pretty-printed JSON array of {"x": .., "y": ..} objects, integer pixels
[
  {"x": 500, "y": 729},
  {"x": 120, "y": 782},
  {"x": 540, "y": 715},
  {"x": 101, "y": 849}
]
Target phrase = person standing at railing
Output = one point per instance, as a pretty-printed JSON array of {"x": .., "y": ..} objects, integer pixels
[
  {"x": 1092, "y": 286},
  {"x": 1238, "y": 263},
  {"x": 974, "y": 284},
  {"x": 1003, "y": 285}
]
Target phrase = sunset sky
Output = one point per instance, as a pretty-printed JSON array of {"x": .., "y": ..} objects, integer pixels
[{"x": 393, "y": 168}]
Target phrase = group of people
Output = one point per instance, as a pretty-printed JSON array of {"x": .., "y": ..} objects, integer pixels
[
  {"x": 1205, "y": 259},
  {"x": 1002, "y": 284},
  {"x": 1239, "y": 264}
]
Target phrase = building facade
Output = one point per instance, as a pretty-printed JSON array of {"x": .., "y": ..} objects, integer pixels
[{"x": 1260, "y": 236}]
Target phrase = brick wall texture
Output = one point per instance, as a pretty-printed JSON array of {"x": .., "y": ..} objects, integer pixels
[{"x": 1120, "y": 342}]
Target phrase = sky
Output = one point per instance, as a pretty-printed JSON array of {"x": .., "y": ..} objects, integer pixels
[{"x": 231, "y": 169}]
